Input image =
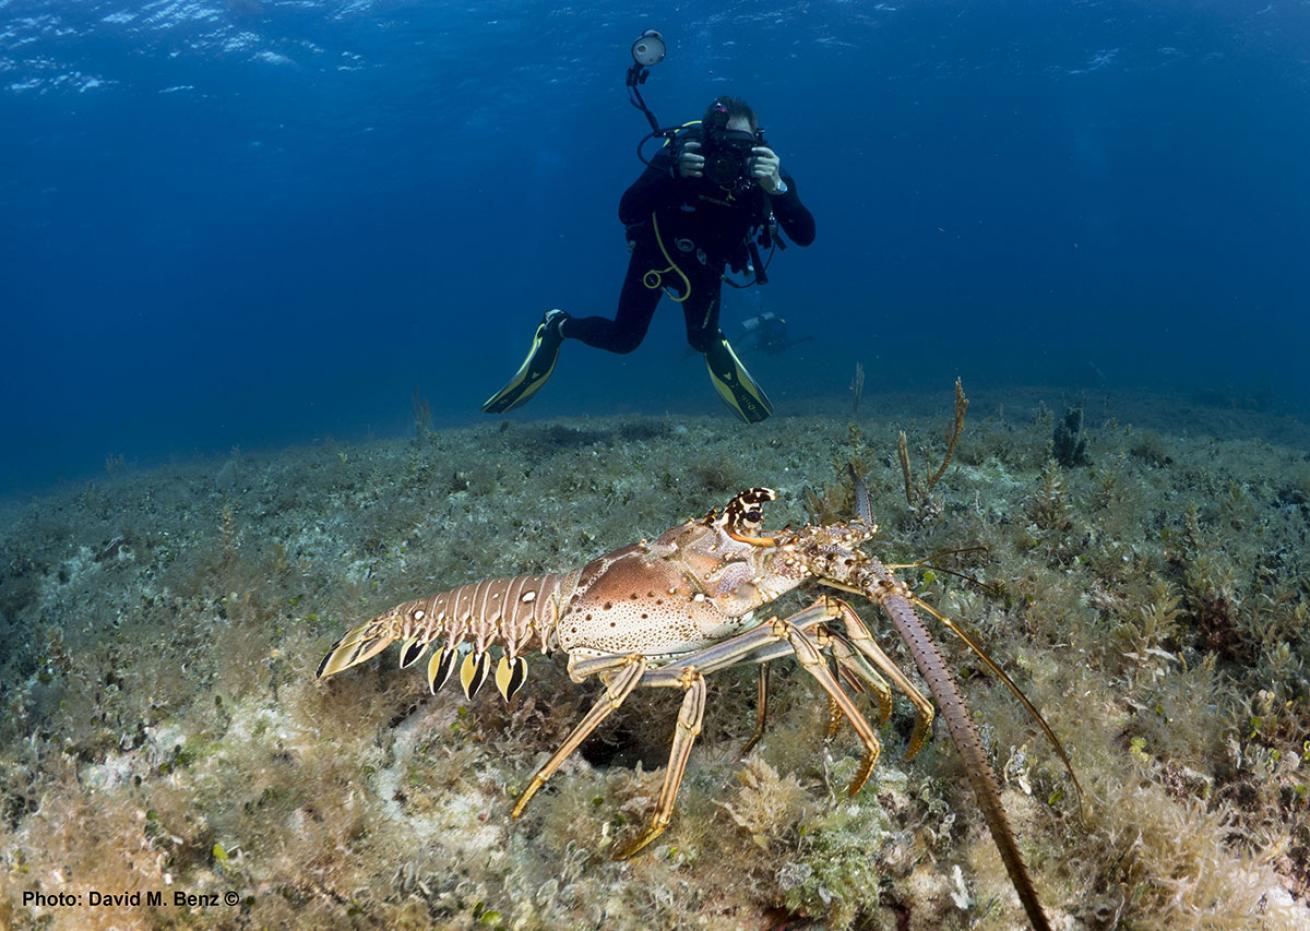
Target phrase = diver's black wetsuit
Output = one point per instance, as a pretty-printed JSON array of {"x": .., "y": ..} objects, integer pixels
[{"x": 703, "y": 229}]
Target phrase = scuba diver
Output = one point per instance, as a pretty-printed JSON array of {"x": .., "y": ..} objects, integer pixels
[
  {"x": 768, "y": 332},
  {"x": 711, "y": 194}
]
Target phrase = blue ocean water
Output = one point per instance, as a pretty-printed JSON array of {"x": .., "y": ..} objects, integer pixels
[{"x": 255, "y": 223}]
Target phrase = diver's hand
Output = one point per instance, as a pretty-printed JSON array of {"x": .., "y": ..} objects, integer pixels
[
  {"x": 691, "y": 164},
  {"x": 766, "y": 168}
]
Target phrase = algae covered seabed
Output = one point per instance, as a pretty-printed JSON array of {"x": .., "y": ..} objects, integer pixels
[{"x": 162, "y": 728}]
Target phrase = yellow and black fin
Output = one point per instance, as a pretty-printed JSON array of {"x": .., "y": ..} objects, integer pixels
[
  {"x": 734, "y": 384},
  {"x": 510, "y": 676},
  {"x": 473, "y": 672},
  {"x": 536, "y": 368},
  {"x": 440, "y": 667},
  {"x": 410, "y": 652}
]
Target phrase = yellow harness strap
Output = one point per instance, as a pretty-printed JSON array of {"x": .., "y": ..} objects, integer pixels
[{"x": 655, "y": 277}]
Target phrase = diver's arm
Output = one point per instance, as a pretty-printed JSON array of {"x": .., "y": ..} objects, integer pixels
[
  {"x": 656, "y": 186},
  {"x": 795, "y": 218}
]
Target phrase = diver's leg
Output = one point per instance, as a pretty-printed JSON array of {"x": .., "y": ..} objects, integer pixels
[
  {"x": 636, "y": 307},
  {"x": 622, "y": 334},
  {"x": 701, "y": 311}
]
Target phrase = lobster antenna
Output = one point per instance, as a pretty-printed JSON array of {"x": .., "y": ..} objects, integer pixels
[
  {"x": 863, "y": 506},
  {"x": 1000, "y": 673}
]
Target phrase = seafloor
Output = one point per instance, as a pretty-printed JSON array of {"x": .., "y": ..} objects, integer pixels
[{"x": 162, "y": 729}]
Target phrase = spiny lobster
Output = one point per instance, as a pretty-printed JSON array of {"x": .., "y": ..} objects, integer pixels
[{"x": 666, "y": 613}]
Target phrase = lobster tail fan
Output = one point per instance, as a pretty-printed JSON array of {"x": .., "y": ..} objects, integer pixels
[{"x": 357, "y": 646}]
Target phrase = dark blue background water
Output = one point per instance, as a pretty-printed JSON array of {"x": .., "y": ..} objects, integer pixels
[{"x": 265, "y": 223}]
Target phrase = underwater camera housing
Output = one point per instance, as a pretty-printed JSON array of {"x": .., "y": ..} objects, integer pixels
[{"x": 728, "y": 158}]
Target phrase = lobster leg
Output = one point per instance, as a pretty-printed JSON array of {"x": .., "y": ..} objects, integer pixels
[
  {"x": 862, "y": 639},
  {"x": 621, "y": 674},
  {"x": 858, "y": 672},
  {"x": 851, "y": 668},
  {"x": 688, "y": 728},
  {"x": 776, "y": 638},
  {"x": 761, "y": 710},
  {"x": 834, "y": 720},
  {"x": 812, "y": 661},
  {"x": 799, "y": 634},
  {"x": 688, "y": 674}
]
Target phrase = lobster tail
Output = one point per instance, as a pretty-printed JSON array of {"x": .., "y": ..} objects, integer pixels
[{"x": 463, "y": 625}]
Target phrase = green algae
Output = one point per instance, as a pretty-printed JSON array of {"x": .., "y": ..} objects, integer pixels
[{"x": 160, "y": 708}]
